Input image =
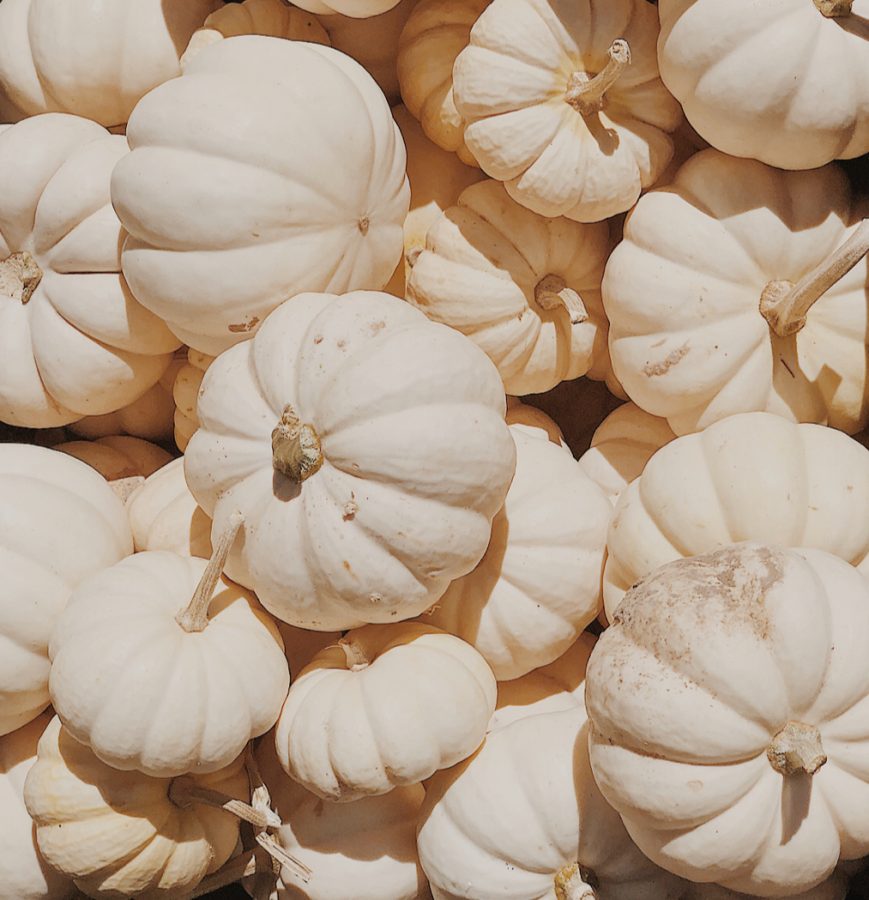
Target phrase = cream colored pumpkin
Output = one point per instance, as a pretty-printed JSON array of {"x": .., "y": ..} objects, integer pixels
[
  {"x": 185, "y": 394},
  {"x": 434, "y": 35},
  {"x": 564, "y": 104},
  {"x": 59, "y": 523},
  {"x": 784, "y": 82},
  {"x": 700, "y": 319},
  {"x": 226, "y": 223},
  {"x": 436, "y": 179},
  {"x": 387, "y": 706},
  {"x": 357, "y": 9},
  {"x": 621, "y": 446},
  {"x": 364, "y": 850},
  {"x": 149, "y": 417},
  {"x": 365, "y": 448},
  {"x": 24, "y": 874},
  {"x": 164, "y": 516},
  {"x": 551, "y": 688},
  {"x": 736, "y": 684},
  {"x": 750, "y": 477},
  {"x": 538, "y": 585},
  {"x": 524, "y": 288},
  {"x": 524, "y": 818},
  {"x": 522, "y": 417},
  {"x": 91, "y": 58},
  {"x": 73, "y": 340},
  {"x": 120, "y": 834},
  {"x": 152, "y": 680}
]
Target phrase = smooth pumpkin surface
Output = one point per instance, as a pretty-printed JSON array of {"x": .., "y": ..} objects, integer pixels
[{"x": 414, "y": 458}]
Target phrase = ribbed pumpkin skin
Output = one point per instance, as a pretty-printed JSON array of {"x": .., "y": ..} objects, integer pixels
[{"x": 226, "y": 223}]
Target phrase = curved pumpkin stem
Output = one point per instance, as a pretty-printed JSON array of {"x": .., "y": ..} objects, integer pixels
[
  {"x": 587, "y": 95},
  {"x": 184, "y": 791},
  {"x": 552, "y": 292},
  {"x": 574, "y": 882}
]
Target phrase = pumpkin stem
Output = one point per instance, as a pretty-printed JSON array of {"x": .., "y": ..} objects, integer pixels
[
  {"x": 296, "y": 450},
  {"x": 552, "y": 291},
  {"x": 575, "y": 882},
  {"x": 355, "y": 655},
  {"x": 586, "y": 95},
  {"x": 797, "y": 748},
  {"x": 194, "y": 616},
  {"x": 834, "y": 8},
  {"x": 19, "y": 276},
  {"x": 184, "y": 792},
  {"x": 785, "y": 305}
]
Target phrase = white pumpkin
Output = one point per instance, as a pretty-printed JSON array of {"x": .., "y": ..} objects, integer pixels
[
  {"x": 225, "y": 223},
  {"x": 164, "y": 516},
  {"x": 736, "y": 684},
  {"x": 91, "y": 58},
  {"x": 701, "y": 317},
  {"x": 538, "y": 585},
  {"x": 73, "y": 340},
  {"x": 750, "y": 477},
  {"x": 357, "y": 9},
  {"x": 621, "y": 446},
  {"x": 365, "y": 448},
  {"x": 523, "y": 287},
  {"x": 564, "y": 104},
  {"x": 364, "y": 850},
  {"x": 185, "y": 394},
  {"x": 551, "y": 688},
  {"x": 797, "y": 101},
  {"x": 523, "y": 818},
  {"x": 437, "y": 178},
  {"x": 388, "y": 705},
  {"x": 152, "y": 680},
  {"x": 24, "y": 874},
  {"x": 122, "y": 834},
  {"x": 434, "y": 35},
  {"x": 59, "y": 523}
]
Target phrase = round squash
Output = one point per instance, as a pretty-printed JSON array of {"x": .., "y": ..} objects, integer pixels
[
  {"x": 784, "y": 82},
  {"x": 91, "y": 58},
  {"x": 434, "y": 35},
  {"x": 736, "y": 684},
  {"x": 357, "y": 9},
  {"x": 388, "y": 705},
  {"x": 153, "y": 680},
  {"x": 73, "y": 340},
  {"x": 523, "y": 818},
  {"x": 538, "y": 584},
  {"x": 715, "y": 313},
  {"x": 364, "y": 850},
  {"x": 523, "y": 287},
  {"x": 564, "y": 104},
  {"x": 185, "y": 394},
  {"x": 121, "y": 834},
  {"x": 225, "y": 223},
  {"x": 621, "y": 446},
  {"x": 750, "y": 477},
  {"x": 59, "y": 523},
  {"x": 24, "y": 874},
  {"x": 365, "y": 448}
]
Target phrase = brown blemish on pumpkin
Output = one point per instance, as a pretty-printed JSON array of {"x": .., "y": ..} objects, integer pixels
[
  {"x": 671, "y": 359},
  {"x": 363, "y": 225},
  {"x": 351, "y": 507},
  {"x": 318, "y": 339},
  {"x": 346, "y": 565},
  {"x": 245, "y": 326},
  {"x": 377, "y": 327}
]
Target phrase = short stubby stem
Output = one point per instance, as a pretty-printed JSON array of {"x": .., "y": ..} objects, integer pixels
[
  {"x": 834, "y": 8},
  {"x": 575, "y": 882},
  {"x": 19, "y": 276},
  {"x": 785, "y": 305},
  {"x": 797, "y": 748},
  {"x": 296, "y": 450},
  {"x": 194, "y": 616},
  {"x": 552, "y": 292},
  {"x": 355, "y": 655},
  {"x": 587, "y": 95}
]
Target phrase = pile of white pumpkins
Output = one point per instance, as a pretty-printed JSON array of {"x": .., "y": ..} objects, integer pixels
[{"x": 340, "y": 648}]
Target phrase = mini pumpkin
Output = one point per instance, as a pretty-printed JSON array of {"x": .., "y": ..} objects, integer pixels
[
  {"x": 523, "y": 287},
  {"x": 754, "y": 296},
  {"x": 577, "y": 126},
  {"x": 365, "y": 448},
  {"x": 388, "y": 705},
  {"x": 225, "y": 223},
  {"x": 357, "y": 9},
  {"x": 754, "y": 476},
  {"x": 736, "y": 683},
  {"x": 73, "y": 340},
  {"x": 59, "y": 524},
  {"x": 796, "y": 102},
  {"x": 185, "y": 393}
]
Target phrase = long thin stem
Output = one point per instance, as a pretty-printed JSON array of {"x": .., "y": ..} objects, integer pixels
[{"x": 184, "y": 792}]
